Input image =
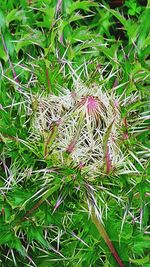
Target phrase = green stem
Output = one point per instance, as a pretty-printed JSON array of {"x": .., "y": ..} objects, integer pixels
[
  {"x": 74, "y": 140},
  {"x": 50, "y": 139}
]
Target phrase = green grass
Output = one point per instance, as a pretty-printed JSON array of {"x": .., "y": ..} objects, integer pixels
[{"x": 60, "y": 208}]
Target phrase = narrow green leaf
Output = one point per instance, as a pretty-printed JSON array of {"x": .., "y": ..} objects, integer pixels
[{"x": 140, "y": 261}]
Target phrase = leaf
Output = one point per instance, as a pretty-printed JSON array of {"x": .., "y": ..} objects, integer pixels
[
  {"x": 85, "y": 5},
  {"x": 13, "y": 15},
  {"x": 143, "y": 29},
  {"x": 123, "y": 21},
  {"x": 75, "y": 17},
  {"x": 2, "y": 52},
  {"x": 5, "y": 236},
  {"x": 48, "y": 17},
  {"x": 140, "y": 244},
  {"x": 114, "y": 230},
  {"x": 16, "y": 244},
  {"x": 129, "y": 25},
  {"x": 18, "y": 197},
  {"x": 36, "y": 233},
  {"x": 33, "y": 38},
  {"x": 9, "y": 44},
  {"x": 2, "y": 20},
  {"x": 140, "y": 261}
]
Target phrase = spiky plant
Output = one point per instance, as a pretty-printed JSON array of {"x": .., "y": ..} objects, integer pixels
[{"x": 83, "y": 127}]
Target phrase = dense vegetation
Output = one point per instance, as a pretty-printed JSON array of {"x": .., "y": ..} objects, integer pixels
[{"x": 74, "y": 133}]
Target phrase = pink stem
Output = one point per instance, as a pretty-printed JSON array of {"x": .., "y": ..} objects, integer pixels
[
  {"x": 106, "y": 238},
  {"x": 108, "y": 160}
]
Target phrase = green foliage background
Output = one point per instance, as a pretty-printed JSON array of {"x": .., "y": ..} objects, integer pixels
[{"x": 42, "y": 44}]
